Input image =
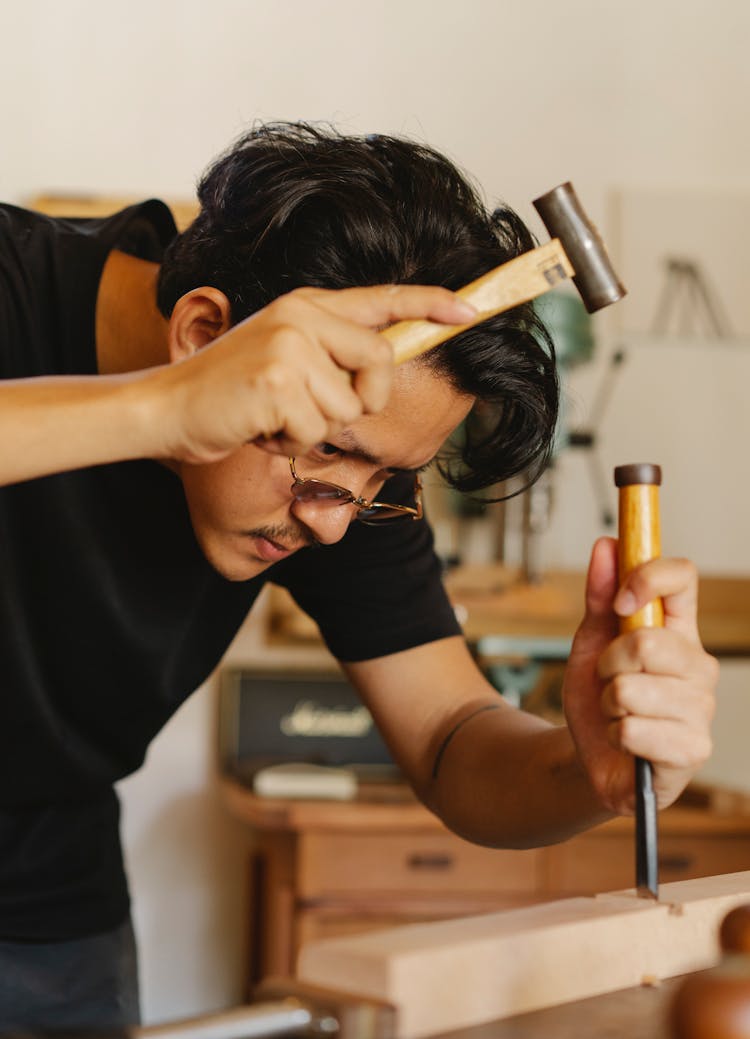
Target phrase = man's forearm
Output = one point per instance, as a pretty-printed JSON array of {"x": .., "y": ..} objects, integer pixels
[
  {"x": 515, "y": 791},
  {"x": 50, "y": 425}
]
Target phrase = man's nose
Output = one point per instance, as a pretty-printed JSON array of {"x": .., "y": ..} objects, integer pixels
[{"x": 327, "y": 522}]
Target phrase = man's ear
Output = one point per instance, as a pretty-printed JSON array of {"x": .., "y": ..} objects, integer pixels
[{"x": 199, "y": 317}]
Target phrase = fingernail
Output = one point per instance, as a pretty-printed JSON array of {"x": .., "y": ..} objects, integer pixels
[
  {"x": 465, "y": 310},
  {"x": 625, "y": 603}
]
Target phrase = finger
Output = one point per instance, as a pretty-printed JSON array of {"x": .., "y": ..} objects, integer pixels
[
  {"x": 294, "y": 421},
  {"x": 368, "y": 361},
  {"x": 378, "y": 305},
  {"x": 318, "y": 346},
  {"x": 274, "y": 445},
  {"x": 666, "y": 698},
  {"x": 657, "y": 651},
  {"x": 599, "y": 626},
  {"x": 334, "y": 396},
  {"x": 311, "y": 337},
  {"x": 665, "y": 743},
  {"x": 675, "y": 581}
]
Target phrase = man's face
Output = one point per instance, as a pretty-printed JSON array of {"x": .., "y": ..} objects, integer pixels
[{"x": 242, "y": 509}]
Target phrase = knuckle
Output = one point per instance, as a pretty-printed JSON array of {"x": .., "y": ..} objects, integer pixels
[
  {"x": 628, "y": 725},
  {"x": 713, "y": 669},
  {"x": 373, "y": 392},
  {"x": 706, "y": 749},
  {"x": 708, "y": 705},
  {"x": 689, "y": 568},
  {"x": 287, "y": 308},
  {"x": 349, "y": 409},
  {"x": 618, "y": 691},
  {"x": 287, "y": 339},
  {"x": 306, "y": 294},
  {"x": 644, "y": 641},
  {"x": 309, "y": 430},
  {"x": 276, "y": 377},
  {"x": 696, "y": 753},
  {"x": 382, "y": 351},
  {"x": 317, "y": 430},
  {"x": 700, "y": 751}
]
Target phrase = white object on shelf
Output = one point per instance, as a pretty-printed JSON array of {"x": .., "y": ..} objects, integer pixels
[{"x": 305, "y": 780}]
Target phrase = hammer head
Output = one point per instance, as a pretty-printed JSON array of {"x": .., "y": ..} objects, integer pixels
[{"x": 565, "y": 220}]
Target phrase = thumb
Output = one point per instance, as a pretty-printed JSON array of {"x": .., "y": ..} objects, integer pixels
[{"x": 600, "y": 624}]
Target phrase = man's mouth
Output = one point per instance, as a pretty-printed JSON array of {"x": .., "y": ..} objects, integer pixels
[{"x": 271, "y": 551}]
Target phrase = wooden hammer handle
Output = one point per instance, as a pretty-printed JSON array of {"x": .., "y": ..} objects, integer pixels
[{"x": 527, "y": 276}]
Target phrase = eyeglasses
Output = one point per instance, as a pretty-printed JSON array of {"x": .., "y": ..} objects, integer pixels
[{"x": 369, "y": 512}]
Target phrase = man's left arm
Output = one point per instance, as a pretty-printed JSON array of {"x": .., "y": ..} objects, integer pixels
[{"x": 502, "y": 777}]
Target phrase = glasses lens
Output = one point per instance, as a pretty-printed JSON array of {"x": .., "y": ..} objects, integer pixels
[{"x": 316, "y": 490}]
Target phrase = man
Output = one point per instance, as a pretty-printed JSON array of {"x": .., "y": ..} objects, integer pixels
[{"x": 185, "y": 427}]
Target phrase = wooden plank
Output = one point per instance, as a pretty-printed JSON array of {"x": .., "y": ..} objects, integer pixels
[{"x": 460, "y": 973}]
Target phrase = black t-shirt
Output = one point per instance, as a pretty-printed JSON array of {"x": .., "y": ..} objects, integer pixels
[{"x": 110, "y": 616}]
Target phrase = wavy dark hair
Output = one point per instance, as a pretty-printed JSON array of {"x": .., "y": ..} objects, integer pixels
[{"x": 293, "y": 204}]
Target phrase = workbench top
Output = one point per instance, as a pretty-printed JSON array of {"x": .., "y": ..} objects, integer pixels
[{"x": 636, "y": 1013}]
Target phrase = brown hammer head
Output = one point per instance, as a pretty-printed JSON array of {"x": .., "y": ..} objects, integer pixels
[{"x": 565, "y": 220}]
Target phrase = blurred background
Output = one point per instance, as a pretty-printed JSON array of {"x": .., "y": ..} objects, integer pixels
[{"x": 644, "y": 106}]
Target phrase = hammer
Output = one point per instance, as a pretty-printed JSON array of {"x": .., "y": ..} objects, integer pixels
[{"x": 576, "y": 251}]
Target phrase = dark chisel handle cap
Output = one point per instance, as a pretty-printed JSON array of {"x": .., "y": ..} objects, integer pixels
[{"x": 638, "y": 472}]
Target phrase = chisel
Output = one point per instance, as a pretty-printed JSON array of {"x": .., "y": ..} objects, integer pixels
[{"x": 639, "y": 540}]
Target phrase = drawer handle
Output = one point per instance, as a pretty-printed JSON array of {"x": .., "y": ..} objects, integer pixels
[
  {"x": 436, "y": 861},
  {"x": 678, "y": 863}
]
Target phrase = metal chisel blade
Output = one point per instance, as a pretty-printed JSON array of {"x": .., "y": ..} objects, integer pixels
[{"x": 646, "y": 842}]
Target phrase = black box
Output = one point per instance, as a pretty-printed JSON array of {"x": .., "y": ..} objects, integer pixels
[{"x": 267, "y": 717}]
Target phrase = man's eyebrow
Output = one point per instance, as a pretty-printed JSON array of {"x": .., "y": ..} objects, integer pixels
[{"x": 348, "y": 442}]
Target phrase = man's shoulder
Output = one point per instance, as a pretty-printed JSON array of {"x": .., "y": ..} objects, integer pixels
[
  {"x": 17, "y": 225},
  {"x": 143, "y": 228}
]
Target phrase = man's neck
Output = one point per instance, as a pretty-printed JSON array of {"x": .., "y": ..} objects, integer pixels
[{"x": 131, "y": 334}]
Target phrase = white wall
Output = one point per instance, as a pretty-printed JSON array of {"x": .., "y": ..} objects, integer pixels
[
  {"x": 136, "y": 98},
  {"x": 187, "y": 867}
]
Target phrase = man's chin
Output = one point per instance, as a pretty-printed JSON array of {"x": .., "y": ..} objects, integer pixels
[
  {"x": 241, "y": 572},
  {"x": 232, "y": 564}
]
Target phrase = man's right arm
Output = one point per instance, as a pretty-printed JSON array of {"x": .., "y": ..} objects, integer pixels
[{"x": 297, "y": 372}]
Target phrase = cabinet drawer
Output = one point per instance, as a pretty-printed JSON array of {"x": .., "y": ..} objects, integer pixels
[
  {"x": 332, "y": 864},
  {"x": 607, "y": 863}
]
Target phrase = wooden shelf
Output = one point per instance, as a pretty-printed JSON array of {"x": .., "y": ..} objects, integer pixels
[{"x": 492, "y": 600}]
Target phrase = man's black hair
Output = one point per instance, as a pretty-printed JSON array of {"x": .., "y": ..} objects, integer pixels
[{"x": 294, "y": 204}]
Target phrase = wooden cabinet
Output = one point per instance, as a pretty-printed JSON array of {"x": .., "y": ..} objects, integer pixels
[
  {"x": 323, "y": 868},
  {"x": 345, "y": 865},
  {"x": 691, "y": 844}
]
